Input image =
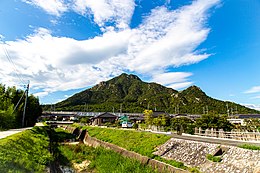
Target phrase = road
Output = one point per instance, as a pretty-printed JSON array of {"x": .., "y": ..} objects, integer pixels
[
  {"x": 4, "y": 134},
  {"x": 221, "y": 141}
]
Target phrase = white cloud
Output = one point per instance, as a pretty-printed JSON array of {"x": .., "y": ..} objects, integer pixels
[
  {"x": 175, "y": 80},
  {"x": 164, "y": 39},
  {"x": 253, "y": 106},
  {"x": 255, "y": 89},
  {"x": 256, "y": 97},
  {"x": 53, "y": 7},
  {"x": 119, "y": 11},
  {"x": 170, "y": 38},
  {"x": 180, "y": 85},
  {"x": 41, "y": 94}
]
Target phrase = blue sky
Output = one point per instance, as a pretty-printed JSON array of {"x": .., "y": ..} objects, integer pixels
[{"x": 65, "y": 46}]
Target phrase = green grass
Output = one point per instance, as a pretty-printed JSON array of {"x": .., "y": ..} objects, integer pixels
[
  {"x": 141, "y": 142},
  {"x": 249, "y": 147},
  {"x": 171, "y": 162},
  {"x": 102, "y": 160},
  {"x": 214, "y": 158},
  {"x": 25, "y": 152}
]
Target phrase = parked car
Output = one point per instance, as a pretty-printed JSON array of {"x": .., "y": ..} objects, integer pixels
[{"x": 127, "y": 125}]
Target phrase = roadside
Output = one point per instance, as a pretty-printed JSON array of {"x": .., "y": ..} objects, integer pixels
[{"x": 4, "y": 134}]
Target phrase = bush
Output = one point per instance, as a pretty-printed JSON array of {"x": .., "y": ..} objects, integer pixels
[{"x": 214, "y": 158}]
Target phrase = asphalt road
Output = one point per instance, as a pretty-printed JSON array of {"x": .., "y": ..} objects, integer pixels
[
  {"x": 214, "y": 140},
  {"x": 4, "y": 134}
]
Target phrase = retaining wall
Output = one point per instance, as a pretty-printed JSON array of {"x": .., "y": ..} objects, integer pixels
[{"x": 161, "y": 166}]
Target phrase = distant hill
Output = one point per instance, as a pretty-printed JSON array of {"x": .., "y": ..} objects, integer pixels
[{"x": 129, "y": 93}]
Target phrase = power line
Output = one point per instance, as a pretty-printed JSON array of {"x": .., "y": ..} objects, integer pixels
[{"x": 14, "y": 67}]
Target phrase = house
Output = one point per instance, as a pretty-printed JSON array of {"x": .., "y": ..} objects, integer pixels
[
  {"x": 104, "y": 118},
  {"x": 156, "y": 114}
]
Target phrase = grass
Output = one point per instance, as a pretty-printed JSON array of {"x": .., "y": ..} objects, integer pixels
[
  {"x": 102, "y": 160},
  {"x": 143, "y": 143},
  {"x": 249, "y": 147},
  {"x": 214, "y": 158},
  {"x": 25, "y": 152},
  {"x": 171, "y": 162}
]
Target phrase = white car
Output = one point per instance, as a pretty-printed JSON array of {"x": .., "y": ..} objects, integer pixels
[{"x": 127, "y": 124}]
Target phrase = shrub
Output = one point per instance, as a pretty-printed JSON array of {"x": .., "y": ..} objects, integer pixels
[{"x": 214, "y": 158}]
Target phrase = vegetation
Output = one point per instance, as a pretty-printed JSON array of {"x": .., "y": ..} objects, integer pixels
[
  {"x": 171, "y": 162},
  {"x": 214, "y": 121},
  {"x": 249, "y": 147},
  {"x": 25, "y": 152},
  {"x": 184, "y": 123},
  {"x": 10, "y": 118},
  {"x": 214, "y": 158},
  {"x": 252, "y": 124},
  {"x": 101, "y": 160},
  {"x": 135, "y": 95},
  {"x": 141, "y": 142}
]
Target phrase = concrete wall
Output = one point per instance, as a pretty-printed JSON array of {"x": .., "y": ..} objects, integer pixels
[{"x": 162, "y": 167}]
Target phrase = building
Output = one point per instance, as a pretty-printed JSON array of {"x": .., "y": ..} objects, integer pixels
[{"x": 104, "y": 118}]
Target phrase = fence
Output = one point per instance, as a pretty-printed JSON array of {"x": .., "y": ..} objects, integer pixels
[{"x": 233, "y": 134}]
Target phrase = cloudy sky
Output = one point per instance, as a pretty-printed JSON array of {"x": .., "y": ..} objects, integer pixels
[{"x": 65, "y": 46}]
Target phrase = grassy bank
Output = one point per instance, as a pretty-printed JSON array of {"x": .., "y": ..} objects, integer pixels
[
  {"x": 101, "y": 160},
  {"x": 25, "y": 152},
  {"x": 141, "y": 142}
]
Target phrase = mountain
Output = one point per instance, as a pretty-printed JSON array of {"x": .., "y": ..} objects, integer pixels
[{"x": 129, "y": 93}]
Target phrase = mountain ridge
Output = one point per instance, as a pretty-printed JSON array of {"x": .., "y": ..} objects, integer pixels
[{"x": 128, "y": 93}]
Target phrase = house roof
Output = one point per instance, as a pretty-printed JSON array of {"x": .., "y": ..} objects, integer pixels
[
  {"x": 157, "y": 113},
  {"x": 106, "y": 115},
  {"x": 245, "y": 116}
]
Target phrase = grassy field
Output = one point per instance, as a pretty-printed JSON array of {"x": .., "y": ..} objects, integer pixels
[
  {"x": 25, "y": 152},
  {"x": 101, "y": 160}
]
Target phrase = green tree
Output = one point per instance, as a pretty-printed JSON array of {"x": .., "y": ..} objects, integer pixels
[
  {"x": 214, "y": 121},
  {"x": 183, "y": 123},
  {"x": 148, "y": 117}
]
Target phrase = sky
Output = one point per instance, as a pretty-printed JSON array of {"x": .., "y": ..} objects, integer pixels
[{"x": 65, "y": 46}]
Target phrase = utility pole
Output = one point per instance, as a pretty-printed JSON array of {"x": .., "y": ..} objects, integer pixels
[
  {"x": 227, "y": 110},
  {"x": 207, "y": 110},
  {"x": 121, "y": 108},
  {"x": 25, "y": 104}
]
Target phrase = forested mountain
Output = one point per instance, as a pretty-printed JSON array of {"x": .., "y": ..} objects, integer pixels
[
  {"x": 10, "y": 118},
  {"x": 130, "y": 94}
]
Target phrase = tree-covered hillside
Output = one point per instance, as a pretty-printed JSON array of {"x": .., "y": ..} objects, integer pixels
[
  {"x": 10, "y": 118},
  {"x": 131, "y": 94}
]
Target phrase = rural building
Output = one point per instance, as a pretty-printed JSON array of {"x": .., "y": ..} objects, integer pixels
[{"x": 104, "y": 118}]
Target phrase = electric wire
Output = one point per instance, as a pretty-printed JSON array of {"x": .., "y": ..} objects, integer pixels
[{"x": 14, "y": 67}]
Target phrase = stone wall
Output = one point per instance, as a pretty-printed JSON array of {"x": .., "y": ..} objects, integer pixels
[{"x": 193, "y": 153}]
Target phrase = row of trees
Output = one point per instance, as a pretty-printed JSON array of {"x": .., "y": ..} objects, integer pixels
[
  {"x": 10, "y": 118},
  {"x": 186, "y": 124}
]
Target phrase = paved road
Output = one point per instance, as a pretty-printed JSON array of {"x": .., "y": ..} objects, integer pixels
[
  {"x": 4, "y": 134},
  {"x": 231, "y": 142}
]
